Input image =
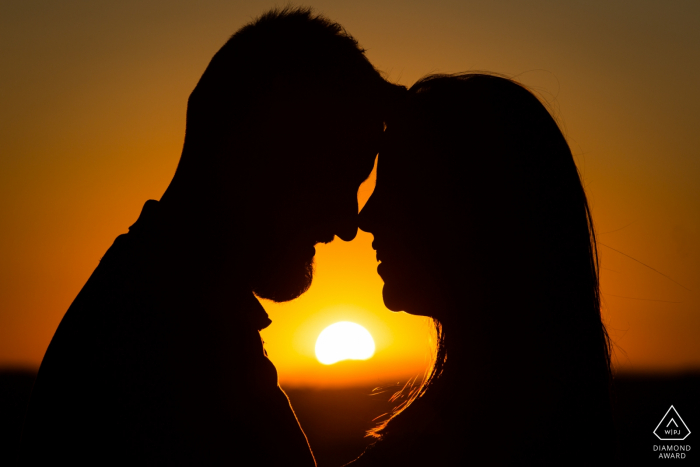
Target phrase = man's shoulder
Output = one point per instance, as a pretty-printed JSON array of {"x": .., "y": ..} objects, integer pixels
[{"x": 129, "y": 320}]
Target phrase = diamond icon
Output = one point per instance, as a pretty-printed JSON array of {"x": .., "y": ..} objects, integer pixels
[{"x": 671, "y": 427}]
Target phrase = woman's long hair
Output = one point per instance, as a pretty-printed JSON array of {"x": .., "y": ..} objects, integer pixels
[{"x": 510, "y": 165}]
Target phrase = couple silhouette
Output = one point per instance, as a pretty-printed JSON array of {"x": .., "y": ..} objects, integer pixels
[{"x": 480, "y": 222}]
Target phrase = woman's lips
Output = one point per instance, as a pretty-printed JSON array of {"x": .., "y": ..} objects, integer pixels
[
  {"x": 379, "y": 255},
  {"x": 380, "y": 259}
]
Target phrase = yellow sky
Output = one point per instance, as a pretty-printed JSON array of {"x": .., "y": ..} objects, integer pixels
[{"x": 92, "y": 115}]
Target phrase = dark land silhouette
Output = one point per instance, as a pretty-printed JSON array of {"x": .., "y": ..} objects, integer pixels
[
  {"x": 159, "y": 359},
  {"x": 335, "y": 420}
]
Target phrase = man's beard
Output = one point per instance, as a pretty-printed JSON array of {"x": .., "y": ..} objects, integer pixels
[{"x": 283, "y": 279}]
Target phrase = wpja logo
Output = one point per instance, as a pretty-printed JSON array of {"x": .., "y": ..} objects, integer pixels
[{"x": 672, "y": 428}]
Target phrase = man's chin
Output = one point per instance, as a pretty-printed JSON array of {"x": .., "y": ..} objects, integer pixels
[{"x": 284, "y": 282}]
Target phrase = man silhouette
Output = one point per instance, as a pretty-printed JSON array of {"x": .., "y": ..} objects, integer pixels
[{"x": 159, "y": 359}]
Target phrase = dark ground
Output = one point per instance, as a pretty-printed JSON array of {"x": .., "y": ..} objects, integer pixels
[{"x": 335, "y": 420}]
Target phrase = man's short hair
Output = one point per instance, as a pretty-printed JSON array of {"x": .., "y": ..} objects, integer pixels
[{"x": 283, "y": 56}]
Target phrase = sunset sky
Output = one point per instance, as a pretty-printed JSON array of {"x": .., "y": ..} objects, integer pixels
[{"x": 92, "y": 116}]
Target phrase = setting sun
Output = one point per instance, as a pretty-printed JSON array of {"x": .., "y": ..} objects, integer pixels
[{"x": 344, "y": 341}]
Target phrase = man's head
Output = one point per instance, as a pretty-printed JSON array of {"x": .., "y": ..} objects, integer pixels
[{"x": 282, "y": 128}]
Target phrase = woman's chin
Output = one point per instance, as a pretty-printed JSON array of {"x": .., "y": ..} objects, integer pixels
[
  {"x": 396, "y": 299},
  {"x": 393, "y": 298}
]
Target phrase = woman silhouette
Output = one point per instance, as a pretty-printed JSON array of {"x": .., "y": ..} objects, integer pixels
[{"x": 480, "y": 222}]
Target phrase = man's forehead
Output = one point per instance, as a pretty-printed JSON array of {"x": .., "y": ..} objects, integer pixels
[
  {"x": 402, "y": 152},
  {"x": 353, "y": 107},
  {"x": 346, "y": 163},
  {"x": 319, "y": 137}
]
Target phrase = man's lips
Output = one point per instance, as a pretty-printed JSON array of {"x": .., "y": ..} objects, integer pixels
[
  {"x": 308, "y": 245},
  {"x": 326, "y": 240}
]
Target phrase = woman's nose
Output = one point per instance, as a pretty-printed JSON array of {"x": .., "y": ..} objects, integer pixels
[{"x": 366, "y": 216}]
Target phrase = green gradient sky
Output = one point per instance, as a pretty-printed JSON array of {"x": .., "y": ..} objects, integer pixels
[{"x": 92, "y": 114}]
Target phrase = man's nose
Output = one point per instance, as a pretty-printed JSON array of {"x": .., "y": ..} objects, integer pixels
[
  {"x": 346, "y": 229},
  {"x": 343, "y": 216}
]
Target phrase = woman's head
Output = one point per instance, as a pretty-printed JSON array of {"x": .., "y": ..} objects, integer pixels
[
  {"x": 480, "y": 221},
  {"x": 477, "y": 192}
]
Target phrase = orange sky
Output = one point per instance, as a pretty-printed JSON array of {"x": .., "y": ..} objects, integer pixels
[{"x": 92, "y": 116}]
